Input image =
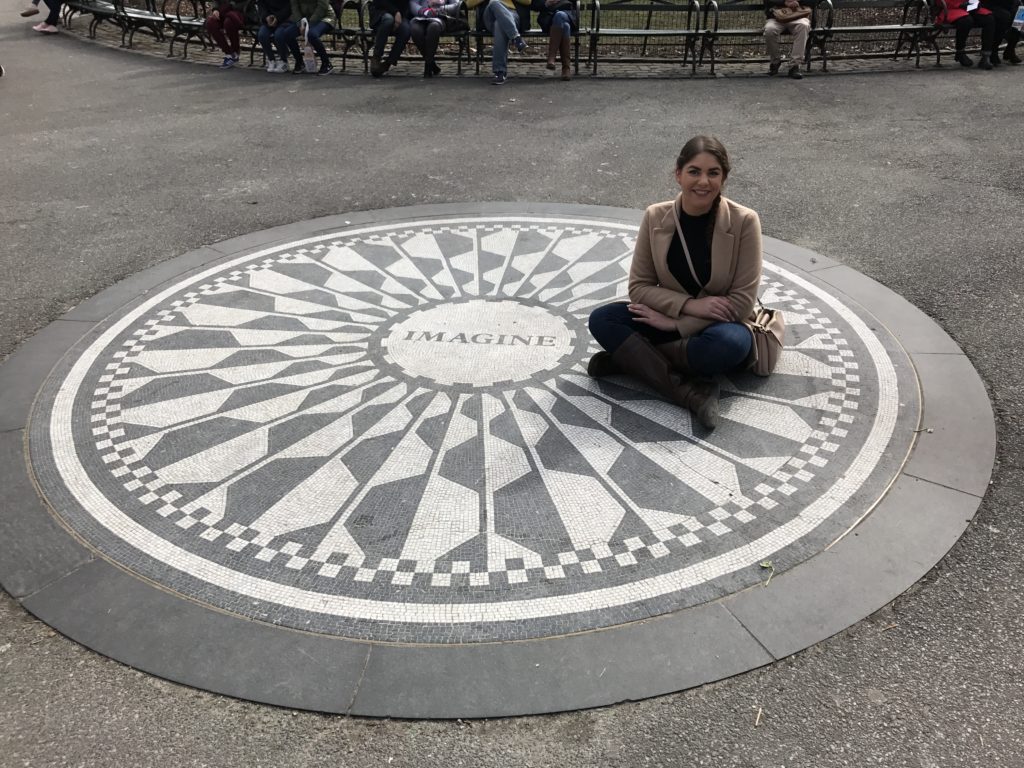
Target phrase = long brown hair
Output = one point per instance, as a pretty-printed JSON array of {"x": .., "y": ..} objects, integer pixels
[{"x": 708, "y": 144}]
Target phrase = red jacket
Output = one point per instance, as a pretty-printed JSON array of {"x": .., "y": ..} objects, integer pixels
[{"x": 956, "y": 9}]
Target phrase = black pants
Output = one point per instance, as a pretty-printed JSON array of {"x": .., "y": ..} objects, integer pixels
[
  {"x": 965, "y": 24},
  {"x": 426, "y": 35},
  {"x": 1003, "y": 20}
]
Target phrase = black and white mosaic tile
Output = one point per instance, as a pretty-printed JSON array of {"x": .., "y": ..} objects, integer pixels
[{"x": 387, "y": 433}]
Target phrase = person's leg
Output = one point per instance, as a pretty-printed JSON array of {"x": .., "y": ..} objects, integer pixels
[
  {"x": 263, "y": 37},
  {"x": 315, "y": 32},
  {"x": 425, "y": 36},
  {"x": 612, "y": 324},
  {"x": 718, "y": 349},
  {"x": 554, "y": 44},
  {"x": 233, "y": 23},
  {"x": 637, "y": 357},
  {"x": 1001, "y": 21},
  {"x": 289, "y": 33},
  {"x": 772, "y": 34},
  {"x": 1010, "y": 52},
  {"x": 53, "y": 17},
  {"x": 402, "y": 34},
  {"x": 381, "y": 34},
  {"x": 281, "y": 42},
  {"x": 800, "y": 30},
  {"x": 215, "y": 28},
  {"x": 961, "y": 29},
  {"x": 987, "y": 25},
  {"x": 502, "y": 24}
]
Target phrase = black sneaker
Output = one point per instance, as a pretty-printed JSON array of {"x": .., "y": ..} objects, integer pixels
[
  {"x": 794, "y": 72},
  {"x": 499, "y": 78},
  {"x": 300, "y": 67},
  {"x": 519, "y": 43},
  {"x": 964, "y": 59},
  {"x": 773, "y": 68},
  {"x": 325, "y": 68}
]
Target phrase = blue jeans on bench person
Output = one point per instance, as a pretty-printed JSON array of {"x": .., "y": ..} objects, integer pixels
[
  {"x": 265, "y": 34},
  {"x": 561, "y": 20},
  {"x": 719, "y": 348},
  {"x": 291, "y": 35},
  {"x": 500, "y": 22}
]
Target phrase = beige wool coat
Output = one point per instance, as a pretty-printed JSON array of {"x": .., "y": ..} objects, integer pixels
[{"x": 736, "y": 258}]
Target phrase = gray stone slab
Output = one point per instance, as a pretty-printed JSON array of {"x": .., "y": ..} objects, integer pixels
[
  {"x": 23, "y": 372},
  {"x": 916, "y": 331},
  {"x": 634, "y": 661},
  {"x": 794, "y": 255},
  {"x": 128, "y": 290},
  {"x": 910, "y": 531},
  {"x": 118, "y": 615},
  {"x": 957, "y": 443},
  {"x": 37, "y": 550}
]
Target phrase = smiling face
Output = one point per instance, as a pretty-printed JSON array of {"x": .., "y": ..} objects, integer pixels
[{"x": 700, "y": 179}]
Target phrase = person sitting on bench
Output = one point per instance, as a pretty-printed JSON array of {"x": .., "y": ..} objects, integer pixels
[{"x": 777, "y": 22}]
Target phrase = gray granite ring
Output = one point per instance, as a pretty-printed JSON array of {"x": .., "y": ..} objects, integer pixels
[{"x": 356, "y": 465}]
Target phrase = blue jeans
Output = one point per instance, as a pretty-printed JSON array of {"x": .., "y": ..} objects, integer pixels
[
  {"x": 384, "y": 29},
  {"x": 500, "y": 22},
  {"x": 290, "y": 34},
  {"x": 719, "y": 348},
  {"x": 561, "y": 19},
  {"x": 265, "y": 34}
]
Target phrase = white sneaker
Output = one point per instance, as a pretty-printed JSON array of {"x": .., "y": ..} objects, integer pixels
[
  {"x": 272, "y": 66},
  {"x": 282, "y": 67}
]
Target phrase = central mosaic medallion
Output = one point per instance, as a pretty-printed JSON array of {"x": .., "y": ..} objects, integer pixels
[
  {"x": 479, "y": 343},
  {"x": 387, "y": 433}
]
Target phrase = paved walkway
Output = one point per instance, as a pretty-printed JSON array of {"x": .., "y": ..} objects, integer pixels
[{"x": 116, "y": 163}]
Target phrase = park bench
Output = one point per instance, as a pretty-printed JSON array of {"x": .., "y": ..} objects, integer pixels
[
  {"x": 99, "y": 10},
  {"x": 186, "y": 20},
  {"x": 901, "y": 24},
  {"x": 143, "y": 15},
  {"x": 671, "y": 28}
]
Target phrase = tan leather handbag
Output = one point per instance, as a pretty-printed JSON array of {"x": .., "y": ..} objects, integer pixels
[{"x": 769, "y": 329}]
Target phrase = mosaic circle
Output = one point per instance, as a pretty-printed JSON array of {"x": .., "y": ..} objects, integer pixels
[{"x": 387, "y": 433}]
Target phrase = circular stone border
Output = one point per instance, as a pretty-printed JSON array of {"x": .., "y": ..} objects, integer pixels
[{"x": 83, "y": 595}]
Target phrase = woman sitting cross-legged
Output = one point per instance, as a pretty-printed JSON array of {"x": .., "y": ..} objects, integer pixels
[
  {"x": 430, "y": 19},
  {"x": 693, "y": 284},
  {"x": 320, "y": 18}
]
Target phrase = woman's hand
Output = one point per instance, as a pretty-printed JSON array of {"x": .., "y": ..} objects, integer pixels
[
  {"x": 644, "y": 314},
  {"x": 711, "y": 308}
]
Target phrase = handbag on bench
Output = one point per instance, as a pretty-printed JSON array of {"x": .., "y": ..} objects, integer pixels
[{"x": 785, "y": 15}]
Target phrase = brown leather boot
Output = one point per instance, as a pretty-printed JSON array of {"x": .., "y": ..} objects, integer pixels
[
  {"x": 601, "y": 365},
  {"x": 566, "y": 50},
  {"x": 554, "y": 41},
  {"x": 638, "y": 357},
  {"x": 675, "y": 353}
]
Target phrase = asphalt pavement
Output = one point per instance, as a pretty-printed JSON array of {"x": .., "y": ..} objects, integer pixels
[{"x": 113, "y": 162}]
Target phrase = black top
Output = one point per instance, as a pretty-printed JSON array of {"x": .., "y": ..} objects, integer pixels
[{"x": 695, "y": 230}]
